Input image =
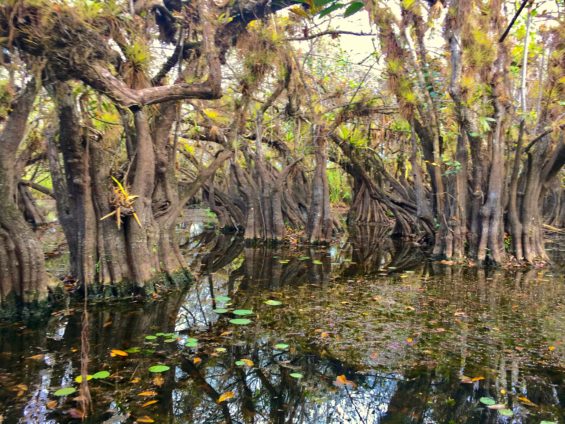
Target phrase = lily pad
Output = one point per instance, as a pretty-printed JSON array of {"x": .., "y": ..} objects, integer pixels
[
  {"x": 506, "y": 412},
  {"x": 304, "y": 258},
  {"x": 220, "y": 310},
  {"x": 281, "y": 346},
  {"x": 101, "y": 375},
  {"x": 159, "y": 368},
  {"x": 190, "y": 342},
  {"x": 243, "y": 312},
  {"x": 487, "y": 401},
  {"x": 170, "y": 340},
  {"x": 133, "y": 350},
  {"x": 296, "y": 375},
  {"x": 272, "y": 302},
  {"x": 78, "y": 378},
  {"x": 222, "y": 299},
  {"x": 284, "y": 261},
  {"x": 160, "y": 334},
  {"x": 240, "y": 321},
  {"x": 150, "y": 337},
  {"x": 65, "y": 391}
]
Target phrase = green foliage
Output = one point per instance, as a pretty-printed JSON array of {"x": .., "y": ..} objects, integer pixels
[{"x": 340, "y": 191}]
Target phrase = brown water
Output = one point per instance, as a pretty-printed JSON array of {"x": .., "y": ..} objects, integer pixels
[{"x": 368, "y": 331}]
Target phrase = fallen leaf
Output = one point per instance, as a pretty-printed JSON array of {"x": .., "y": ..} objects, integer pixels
[
  {"x": 149, "y": 402},
  {"x": 117, "y": 352},
  {"x": 526, "y": 401},
  {"x": 225, "y": 396},
  {"x": 477, "y": 378},
  {"x": 196, "y": 360},
  {"x": 341, "y": 380},
  {"x": 38, "y": 357},
  {"x": 158, "y": 380},
  {"x": 52, "y": 404},
  {"x": 135, "y": 380},
  {"x": 147, "y": 393},
  {"x": 248, "y": 362},
  {"x": 145, "y": 419}
]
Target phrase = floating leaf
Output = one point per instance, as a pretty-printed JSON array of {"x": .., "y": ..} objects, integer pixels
[
  {"x": 281, "y": 346},
  {"x": 222, "y": 299},
  {"x": 159, "y": 334},
  {"x": 101, "y": 375},
  {"x": 487, "y": 401},
  {"x": 133, "y": 350},
  {"x": 196, "y": 360},
  {"x": 118, "y": 352},
  {"x": 547, "y": 422},
  {"x": 341, "y": 380},
  {"x": 147, "y": 393},
  {"x": 526, "y": 401},
  {"x": 477, "y": 378},
  {"x": 240, "y": 321},
  {"x": 284, "y": 261},
  {"x": 506, "y": 412},
  {"x": 304, "y": 258},
  {"x": 190, "y": 342},
  {"x": 317, "y": 262},
  {"x": 243, "y": 312},
  {"x": 150, "y": 337},
  {"x": 225, "y": 396},
  {"x": 149, "y": 402},
  {"x": 170, "y": 340},
  {"x": 65, "y": 391},
  {"x": 78, "y": 378},
  {"x": 271, "y": 302},
  {"x": 159, "y": 368},
  {"x": 220, "y": 310},
  {"x": 245, "y": 361},
  {"x": 296, "y": 375},
  {"x": 220, "y": 349},
  {"x": 145, "y": 419}
]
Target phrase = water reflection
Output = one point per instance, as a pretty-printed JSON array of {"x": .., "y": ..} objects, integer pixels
[{"x": 417, "y": 342}]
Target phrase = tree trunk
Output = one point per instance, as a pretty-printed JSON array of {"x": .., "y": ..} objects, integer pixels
[{"x": 23, "y": 280}]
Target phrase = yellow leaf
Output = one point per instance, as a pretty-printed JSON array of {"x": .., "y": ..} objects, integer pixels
[
  {"x": 136, "y": 219},
  {"x": 341, "y": 380},
  {"x": 526, "y": 401},
  {"x": 196, "y": 360},
  {"x": 108, "y": 216},
  {"x": 117, "y": 352},
  {"x": 38, "y": 357},
  {"x": 477, "y": 379},
  {"x": 225, "y": 396},
  {"x": 149, "y": 402},
  {"x": 248, "y": 362},
  {"x": 135, "y": 380},
  {"x": 145, "y": 419},
  {"x": 502, "y": 391},
  {"x": 52, "y": 404},
  {"x": 158, "y": 380},
  {"x": 147, "y": 393}
]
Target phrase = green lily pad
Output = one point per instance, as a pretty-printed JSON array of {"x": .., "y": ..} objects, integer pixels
[
  {"x": 222, "y": 299},
  {"x": 78, "y": 378},
  {"x": 220, "y": 310},
  {"x": 506, "y": 412},
  {"x": 243, "y": 312},
  {"x": 548, "y": 422},
  {"x": 159, "y": 368},
  {"x": 304, "y": 258},
  {"x": 133, "y": 350},
  {"x": 170, "y": 340},
  {"x": 150, "y": 337},
  {"x": 296, "y": 375},
  {"x": 487, "y": 401},
  {"x": 271, "y": 302},
  {"x": 240, "y": 363},
  {"x": 65, "y": 391},
  {"x": 101, "y": 375},
  {"x": 284, "y": 261},
  {"x": 240, "y": 321},
  {"x": 190, "y": 342},
  {"x": 160, "y": 334},
  {"x": 281, "y": 346}
]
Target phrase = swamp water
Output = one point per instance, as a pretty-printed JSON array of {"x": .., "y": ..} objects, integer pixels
[{"x": 368, "y": 331}]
